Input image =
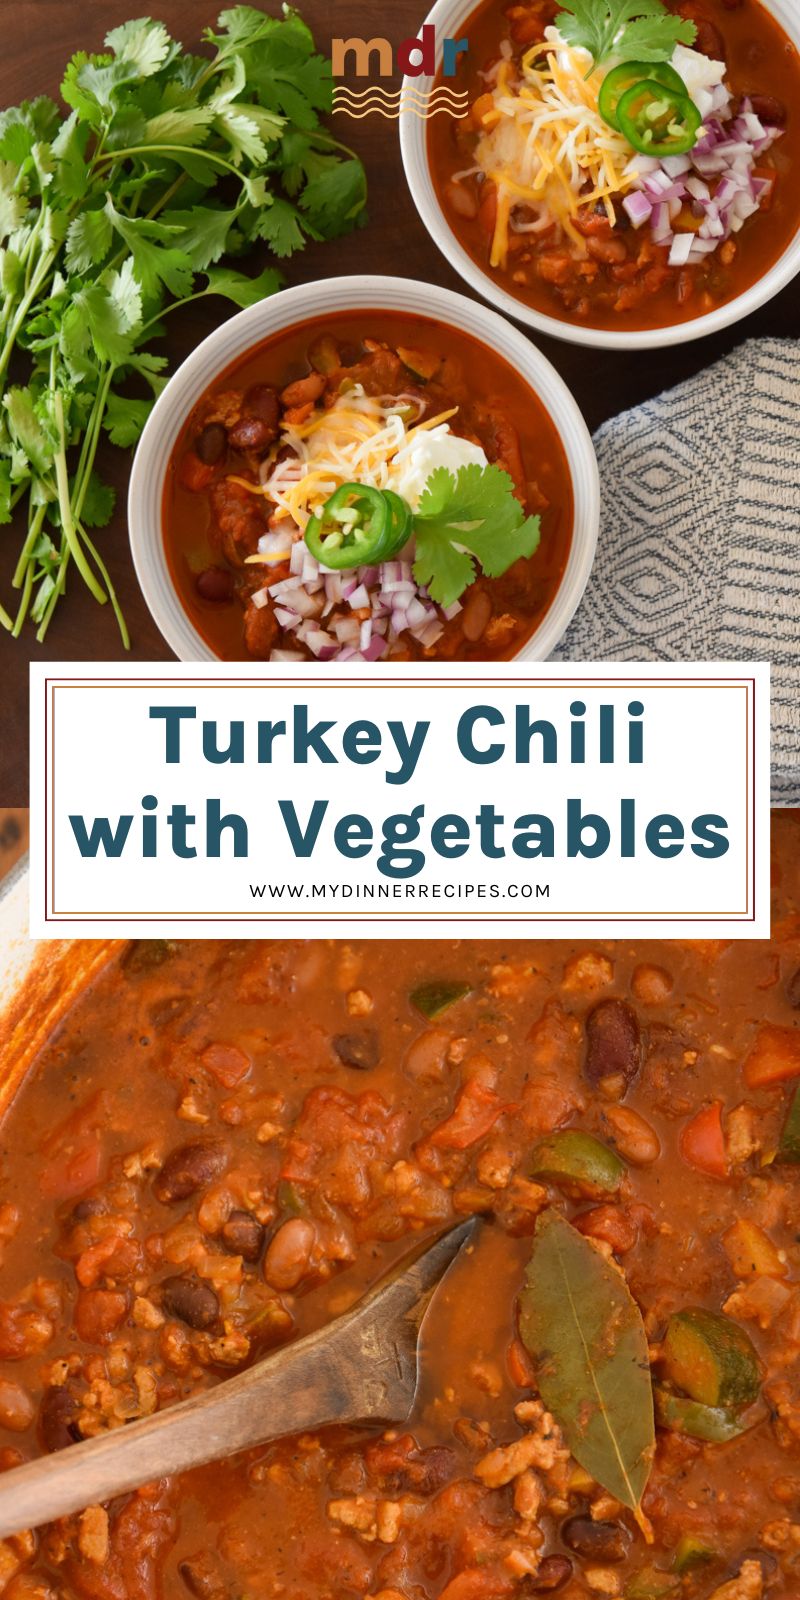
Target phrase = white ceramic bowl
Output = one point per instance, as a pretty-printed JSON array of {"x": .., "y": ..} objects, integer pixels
[
  {"x": 448, "y": 17},
  {"x": 250, "y": 328}
]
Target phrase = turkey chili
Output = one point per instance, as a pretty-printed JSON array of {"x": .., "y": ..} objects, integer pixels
[
  {"x": 315, "y": 492},
  {"x": 225, "y": 1145}
]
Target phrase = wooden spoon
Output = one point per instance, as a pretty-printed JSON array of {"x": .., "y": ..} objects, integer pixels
[{"x": 363, "y": 1367}]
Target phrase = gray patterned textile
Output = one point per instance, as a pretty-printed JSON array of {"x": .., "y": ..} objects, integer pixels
[{"x": 699, "y": 550}]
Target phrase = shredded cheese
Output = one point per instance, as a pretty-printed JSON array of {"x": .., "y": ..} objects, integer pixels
[
  {"x": 544, "y": 144},
  {"x": 358, "y": 439}
]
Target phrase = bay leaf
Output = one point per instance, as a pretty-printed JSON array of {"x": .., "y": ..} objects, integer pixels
[{"x": 584, "y": 1330}]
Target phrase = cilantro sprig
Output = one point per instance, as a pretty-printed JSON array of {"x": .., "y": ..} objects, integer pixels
[
  {"x": 165, "y": 168},
  {"x": 472, "y": 516},
  {"x": 633, "y": 30}
]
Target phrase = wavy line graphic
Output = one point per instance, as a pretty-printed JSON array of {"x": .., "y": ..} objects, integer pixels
[
  {"x": 402, "y": 111},
  {"x": 395, "y": 94},
  {"x": 391, "y": 104}
]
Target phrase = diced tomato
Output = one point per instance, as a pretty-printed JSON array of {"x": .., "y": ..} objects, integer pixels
[
  {"x": 75, "y": 1172},
  {"x": 112, "y": 1257},
  {"x": 478, "y": 1583},
  {"x": 226, "y": 1063},
  {"x": 774, "y": 1057},
  {"x": 520, "y": 1368},
  {"x": 702, "y": 1141},
  {"x": 98, "y": 1312},
  {"x": 475, "y": 1113},
  {"x": 196, "y": 475}
]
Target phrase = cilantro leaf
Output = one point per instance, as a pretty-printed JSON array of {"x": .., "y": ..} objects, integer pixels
[
  {"x": 156, "y": 259},
  {"x": 243, "y": 291},
  {"x": 98, "y": 504},
  {"x": 282, "y": 227},
  {"x": 13, "y": 205},
  {"x": 204, "y": 233},
  {"x": 145, "y": 44},
  {"x": 89, "y": 239},
  {"x": 335, "y": 199},
  {"x": 638, "y": 30},
  {"x": 26, "y": 428},
  {"x": 472, "y": 515},
  {"x": 5, "y": 492},
  {"x": 125, "y": 419}
]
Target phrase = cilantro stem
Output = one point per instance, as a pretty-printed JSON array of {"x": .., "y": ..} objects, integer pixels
[
  {"x": 34, "y": 529},
  {"x": 67, "y": 519},
  {"x": 171, "y": 149},
  {"x": 115, "y": 606},
  {"x": 40, "y": 276},
  {"x": 24, "y": 604}
]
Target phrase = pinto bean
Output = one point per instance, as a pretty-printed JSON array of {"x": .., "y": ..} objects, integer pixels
[
  {"x": 289, "y": 1253},
  {"x": 461, "y": 200},
  {"x": 609, "y": 251},
  {"x": 360, "y": 1050},
  {"x": 304, "y": 392},
  {"x": 191, "y": 1301},
  {"x": 595, "y": 1541},
  {"x": 243, "y": 1235},
  {"x": 250, "y": 433},
  {"x": 17, "y": 1409},
  {"x": 210, "y": 445},
  {"x": 215, "y": 583},
  {"x": 633, "y": 1136},
  {"x": 553, "y": 1573},
  {"x": 58, "y": 1414},
  {"x": 189, "y": 1168},
  {"x": 477, "y": 615},
  {"x": 769, "y": 109},
  {"x": 613, "y": 1043}
]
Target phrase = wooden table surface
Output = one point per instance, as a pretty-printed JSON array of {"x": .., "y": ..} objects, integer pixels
[{"x": 45, "y": 33}]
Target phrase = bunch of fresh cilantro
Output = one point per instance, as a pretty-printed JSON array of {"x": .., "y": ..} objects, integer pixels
[
  {"x": 471, "y": 516},
  {"x": 113, "y": 215},
  {"x": 633, "y": 30}
]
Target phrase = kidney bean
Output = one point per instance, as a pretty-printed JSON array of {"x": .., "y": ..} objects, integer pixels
[
  {"x": 769, "y": 109},
  {"x": 360, "y": 1050},
  {"x": 553, "y": 1573},
  {"x": 215, "y": 583},
  {"x": 251, "y": 433},
  {"x": 595, "y": 1541},
  {"x": 261, "y": 401},
  {"x": 613, "y": 1042},
  {"x": 191, "y": 1301},
  {"x": 289, "y": 1254},
  {"x": 203, "y": 1578},
  {"x": 210, "y": 445},
  {"x": 477, "y": 615},
  {"x": 188, "y": 1169},
  {"x": 793, "y": 990},
  {"x": 243, "y": 1235},
  {"x": 17, "y": 1409},
  {"x": 58, "y": 1413}
]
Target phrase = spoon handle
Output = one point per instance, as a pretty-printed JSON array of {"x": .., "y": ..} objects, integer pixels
[{"x": 301, "y": 1387}]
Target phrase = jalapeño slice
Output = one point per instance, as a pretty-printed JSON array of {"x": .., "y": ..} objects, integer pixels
[
  {"x": 625, "y": 77},
  {"x": 658, "y": 121}
]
